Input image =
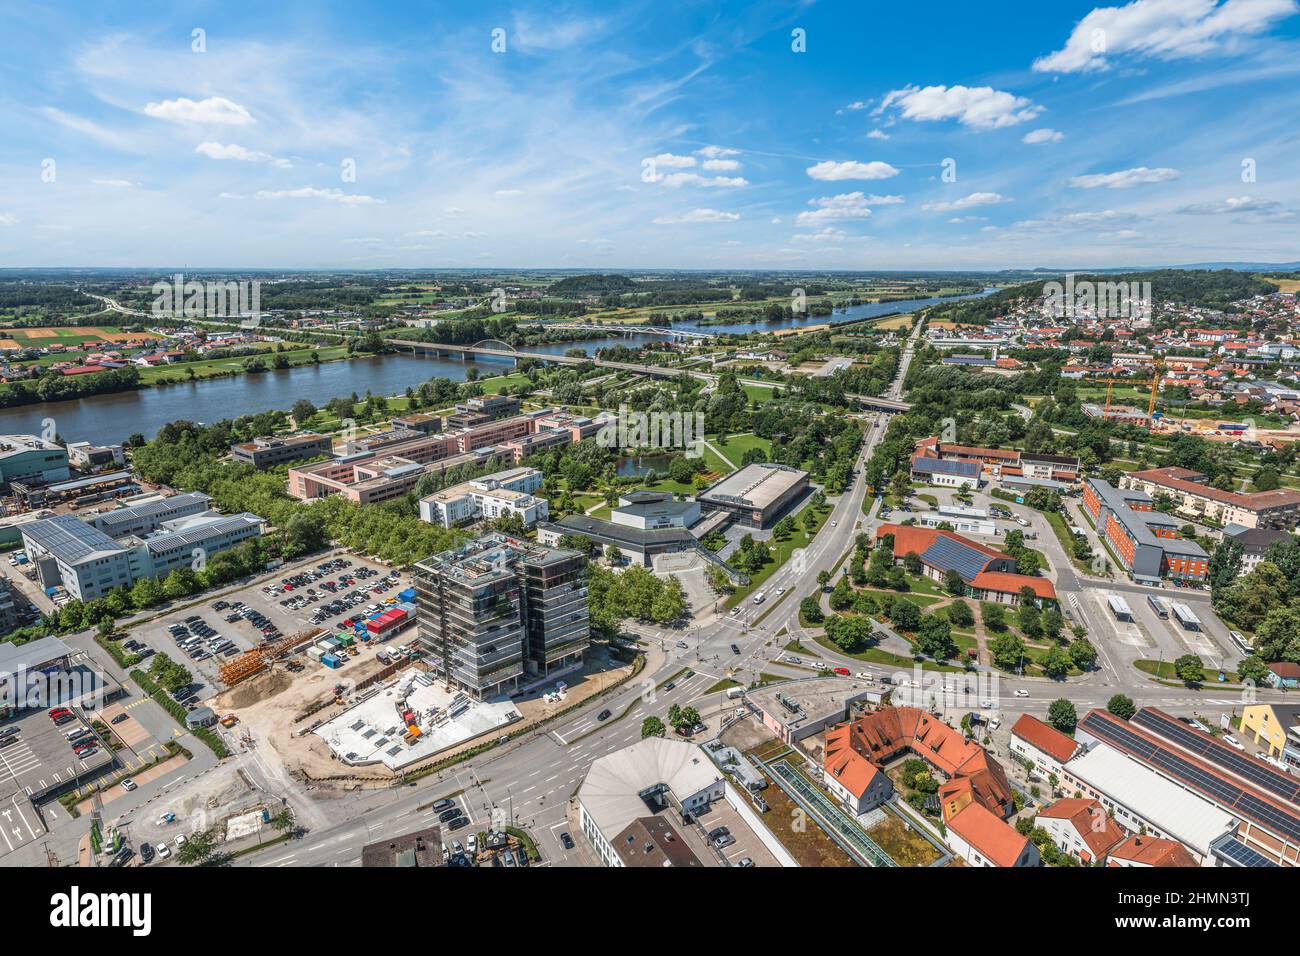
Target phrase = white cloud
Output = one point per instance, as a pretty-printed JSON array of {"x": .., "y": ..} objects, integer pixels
[
  {"x": 858, "y": 105},
  {"x": 697, "y": 215},
  {"x": 671, "y": 160},
  {"x": 968, "y": 202},
  {"x": 1120, "y": 234},
  {"x": 717, "y": 152},
  {"x": 8, "y": 219},
  {"x": 959, "y": 220},
  {"x": 237, "y": 152},
  {"x": 720, "y": 165},
  {"x": 1164, "y": 29},
  {"x": 215, "y": 109},
  {"x": 113, "y": 183},
  {"x": 979, "y": 107},
  {"x": 673, "y": 180},
  {"x": 1245, "y": 208},
  {"x": 851, "y": 169},
  {"x": 311, "y": 192},
  {"x": 853, "y": 205},
  {"x": 829, "y": 234},
  {"x": 1125, "y": 178},
  {"x": 877, "y": 134},
  {"x": 508, "y": 193},
  {"x": 1044, "y": 135}
]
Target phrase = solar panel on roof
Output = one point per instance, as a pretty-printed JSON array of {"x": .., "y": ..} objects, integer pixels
[
  {"x": 1174, "y": 765},
  {"x": 1205, "y": 746},
  {"x": 949, "y": 555},
  {"x": 1241, "y": 854}
]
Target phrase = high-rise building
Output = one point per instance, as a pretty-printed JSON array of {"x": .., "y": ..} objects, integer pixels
[{"x": 499, "y": 611}]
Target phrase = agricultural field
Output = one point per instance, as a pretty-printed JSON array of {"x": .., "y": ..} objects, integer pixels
[{"x": 17, "y": 338}]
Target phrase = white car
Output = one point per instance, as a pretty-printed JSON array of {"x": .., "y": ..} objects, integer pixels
[
  {"x": 780, "y": 591},
  {"x": 1232, "y": 741},
  {"x": 128, "y": 784},
  {"x": 835, "y": 524},
  {"x": 164, "y": 851},
  {"x": 1022, "y": 693},
  {"x": 863, "y": 675},
  {"x": 987, "y": 704},
  {"x": 180, "y": 841}
]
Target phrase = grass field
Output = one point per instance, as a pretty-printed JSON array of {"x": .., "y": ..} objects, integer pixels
[
  {"x": 894, "y": 322},
  {"x": 71, "y": 335},
  {"x": 736, "y": 446}
]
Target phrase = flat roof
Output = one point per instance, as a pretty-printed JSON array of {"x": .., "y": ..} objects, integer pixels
[
  {"x": 797, "y": 703},
  {"x": 1190, "y": 819},
  {"x": 611, "y": 791},
  {"x": 70, "y": 539},
  {"x": 16, "y": 657},
  {"x": 757, "y": 485}
]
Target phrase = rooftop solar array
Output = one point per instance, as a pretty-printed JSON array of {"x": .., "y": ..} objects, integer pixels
[
  {"x": 1223, "y": 792},
  {"x": 69, "y": 538},
  {"x": 1242, "y": 855},
  {"x": 936, "y": 466},
  {"x": 949, "y": 555},
  {"x": 1207, "y": 748}
]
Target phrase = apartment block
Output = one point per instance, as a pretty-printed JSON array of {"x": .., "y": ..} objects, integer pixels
[
  {"x": 506, "y": 492},
  {"x": 277, "y": 449},
  {"x": 1192, "y": 496},
  {"x": 1145, "y": 541}
]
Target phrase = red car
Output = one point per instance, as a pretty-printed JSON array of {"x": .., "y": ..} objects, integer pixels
[
  {"x": 842, "y": 671},
  {"x": 58, "y": 712}
]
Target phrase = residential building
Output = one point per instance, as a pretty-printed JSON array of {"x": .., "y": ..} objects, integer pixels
[
  {"x": 989, "y": 575},
  {"x": 1142, "y": 850},
  {"x": 1043, "y": 744},
  {"x": 1082, "y": 828},
  {"x": 1192, "y": 496},
  {"x": 271, "y": 450},
  {"x": 974, "y": 796},
  {"x": 506, "y": 492},
  {"x": 1146, "y": 542},
  {"x": 1274, "y": 727},
  {"x": 420, "y": 848},
  {"x": 499, "y": 611},
  {"x": 637, "y": 805},
  {"x": 756, "y": 495},
  {"x": 32, "y": 460},
  {"x": 1254, "y": 542}
]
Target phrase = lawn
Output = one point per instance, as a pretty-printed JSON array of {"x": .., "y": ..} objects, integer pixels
[
  {"x": 780, "y": 552},
  {"x": 497, "y": 384},
  {"x": 736, "y": 446},
  {"x": 1165, "y": 670},
  {"x": 758, "y": 393}
]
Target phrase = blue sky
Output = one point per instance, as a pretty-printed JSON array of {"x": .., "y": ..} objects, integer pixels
[{"x": 655, "y": 135}]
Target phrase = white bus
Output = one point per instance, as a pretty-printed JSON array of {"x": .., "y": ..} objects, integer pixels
[
  {"x": 1119, "y": 607},
  {"x": 1185, "y": 616},
  {"x": 1158, "y": 606},
  {"x": 1242, "y": 644}
]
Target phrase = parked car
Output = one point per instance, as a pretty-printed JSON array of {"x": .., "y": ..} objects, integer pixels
[
  {"x": 128, "y": 784},
  {"x": 164, "y": 851},
  {"x": 566, "y": 841}
]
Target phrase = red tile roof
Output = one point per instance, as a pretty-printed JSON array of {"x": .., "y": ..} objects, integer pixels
[
  {"x": 1285, "y": 669},
  {"x": 849, "y": 768},
  {"x": 1045, "y": 737},
  {"x": 994, "y": 839},
  {"x": 1006, "y": 583},
  {"x": 1179, "y": 479},
  {"x": 1152, "y": 851},
  {"x": 1097, "y": 830}
]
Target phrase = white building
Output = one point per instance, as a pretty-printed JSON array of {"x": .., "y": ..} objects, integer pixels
[
  {"x": 1141, "y": 800},
  {"x": 648, "y": 510},
  {"x": 644, "y": 780},
  {"x": 1047, "y": 747},
  {"x": 506, "y": 492}
]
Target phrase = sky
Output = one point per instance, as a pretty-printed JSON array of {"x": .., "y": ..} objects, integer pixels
[{"x": 692, "y": 135}]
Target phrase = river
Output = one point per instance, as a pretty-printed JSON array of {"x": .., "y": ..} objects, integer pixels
[{"x": 112, "y": 418}]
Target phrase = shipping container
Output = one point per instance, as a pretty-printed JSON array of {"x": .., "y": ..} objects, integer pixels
[{"x": 329, "y": 660}]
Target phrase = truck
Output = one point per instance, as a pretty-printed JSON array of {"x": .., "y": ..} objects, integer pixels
[{"x": 734, "y": 692}]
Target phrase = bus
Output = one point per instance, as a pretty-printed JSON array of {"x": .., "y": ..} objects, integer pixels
[
  {"x": 1119, "y": 607},
  {"x": 1242, "y": 644},
  {"x": 1158, "y": 606}
]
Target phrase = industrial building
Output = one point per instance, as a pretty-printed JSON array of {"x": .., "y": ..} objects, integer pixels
[
  {"x": 1145, "y": 541},
  {"x": 504, "y": 493},
  {"x": 144, "y": 516},
  {"x": 31, "y": 459},
  {"x": 757, "y": 495},
  {"x": 499, "y": 612},
  {"x": 70, "y": 553},
  {"x": 1060, "y": 471}
]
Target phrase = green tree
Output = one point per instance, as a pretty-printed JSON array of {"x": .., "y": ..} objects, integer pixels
[
  {"x": 960, "y": 614},
  {"x": 810, "y": 610},
  {"x": 1062, "y": 715},
  {"x": 652, "y": 727},
  {"x": 1190, "y": 669},
  {"x": 953, "y": 583},
  {"x": 1121, "y": 705}
]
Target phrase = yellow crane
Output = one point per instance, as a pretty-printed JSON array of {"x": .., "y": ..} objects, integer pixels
[{"x": 1154, "y": 382}]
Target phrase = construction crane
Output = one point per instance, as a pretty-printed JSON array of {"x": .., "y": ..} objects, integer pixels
[{"x": 1154, "y": 382}]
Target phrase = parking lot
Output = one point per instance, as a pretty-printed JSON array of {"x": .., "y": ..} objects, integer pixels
[
  {"x": 322, "y": 595},
  {"x": 37, "y": 758}
]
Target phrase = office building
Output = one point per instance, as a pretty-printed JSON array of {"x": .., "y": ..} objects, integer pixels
[
  {"x": 277, "y": 449},
  {"x": 1145, "y": 541},
  {"x": 147, "y": 516},
  {"x": 500, "y": 611}
]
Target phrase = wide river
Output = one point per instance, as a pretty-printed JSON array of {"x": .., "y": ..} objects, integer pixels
[{"x": 111, "y": 418}]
